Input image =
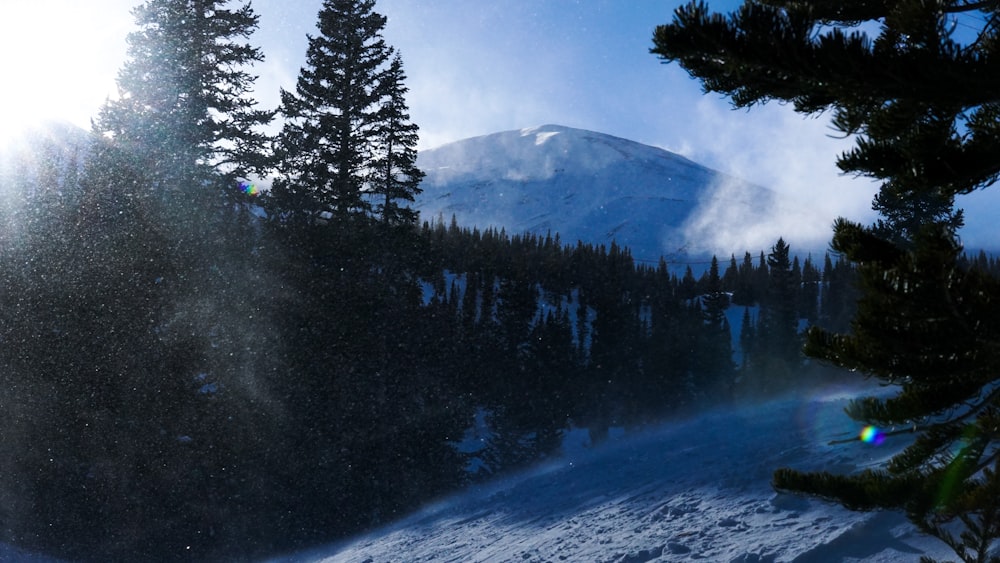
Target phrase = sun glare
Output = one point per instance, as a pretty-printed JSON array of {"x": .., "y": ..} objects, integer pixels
[{"x": 59, "y": 60}]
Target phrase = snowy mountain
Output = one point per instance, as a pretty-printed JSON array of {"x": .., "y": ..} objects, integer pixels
[
  {"x": 696, "y": 490},
  {"x": 597, "y": 188}
]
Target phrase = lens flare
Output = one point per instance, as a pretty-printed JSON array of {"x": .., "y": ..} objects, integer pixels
[
  {"x": 871, "y": 435},
  {"x": 249, "y": 188}
]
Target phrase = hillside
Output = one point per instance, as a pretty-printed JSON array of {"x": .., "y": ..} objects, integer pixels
[
  {"x": 697, "y": 490},
  {"x": 597, "y": 188}
]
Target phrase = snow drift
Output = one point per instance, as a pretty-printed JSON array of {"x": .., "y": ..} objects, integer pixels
[{"x": 693, "y": 490}]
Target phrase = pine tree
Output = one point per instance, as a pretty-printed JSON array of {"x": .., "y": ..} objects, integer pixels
[
  {"x": 744, "y": 294},
  {"x": 155, "y": 192},
  {"x": 93, "y": 317},
  {"x": 773, "y": 346},
  {"x": 922, "y": 103},
  {"x": 837, "y": 303},
  {"x": 809, "y": 294},
  {"x": 716, "y": 349},
  {"x": 747, "y": 339},
  {"x": 730, "y": 280},
  {"x": 689, "y": 286},
  {"x": 779, "y": 311},
  {"x": 715, "y": 301},
  {"x": 761, "y": 279},
  {"x": 332, "y": 120},
  {"x": 928, "y": 327},
  {"x": 395, "y": 178},
  {"x": 185, "y": 111}
]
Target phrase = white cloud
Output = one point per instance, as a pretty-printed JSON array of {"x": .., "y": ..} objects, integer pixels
[
  {"x": 720, "y": 224},
  {"x": 794, "y": 155}
]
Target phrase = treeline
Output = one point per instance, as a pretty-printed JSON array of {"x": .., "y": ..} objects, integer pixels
[
  {"x": 239, "y": 388},
  {"x": 191, "y": 370},
  {"x": 633, "y": 341}
]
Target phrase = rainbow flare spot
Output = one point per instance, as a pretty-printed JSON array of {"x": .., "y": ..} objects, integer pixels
[
  {"x": 249, "y": 188},
  {"x": 871, "y": 435}
]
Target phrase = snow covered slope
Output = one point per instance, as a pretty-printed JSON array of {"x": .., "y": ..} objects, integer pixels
[
  {"x": 696, "y": 490},
  {"x": 690, "y": 491},
  {"x": 597, "y": 188}
]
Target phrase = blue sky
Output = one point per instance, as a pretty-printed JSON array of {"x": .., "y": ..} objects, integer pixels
[{"x": 477, "y": 67}]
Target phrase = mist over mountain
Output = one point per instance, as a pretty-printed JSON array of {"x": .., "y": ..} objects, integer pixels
[{"x": 598, "y": 188}]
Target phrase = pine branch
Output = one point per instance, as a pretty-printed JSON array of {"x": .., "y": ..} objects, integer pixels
[{"x": 969, "y": 7}]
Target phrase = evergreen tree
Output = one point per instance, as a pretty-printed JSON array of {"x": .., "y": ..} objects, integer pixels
[
  {"x": 926, "y": 326},
  {"x": 150, "y": 403},
  {"x": 185, "y": 111},
  {"x": 779, "y": 312},
  {"x": 716, "y": 349},
  {"x": 688, "y": 288},
  {"x": 774, "y": 358},
  {"x": 809, "y": 293},
  {"x": 761, "y": 280},
  {"x": 730, "y": 280},
  {"x": 663, "y": 359},
  {"x": 744, "y": 293},
  {"x": 543, "y": 401},
  {"x": 746, "y": 339},
  {"x": 927, "y": 128},
  {"x": 331, "y": 131},
  {"x": 922, "y": 103},
  {"x": 131, "y": 400},
  {"x": 613, "y": 342},
  {"x": 395, "y": 178},
  {"x": 839, "y": 295}
]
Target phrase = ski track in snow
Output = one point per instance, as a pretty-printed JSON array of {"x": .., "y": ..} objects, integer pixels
[{"x": 691, "y": 491}]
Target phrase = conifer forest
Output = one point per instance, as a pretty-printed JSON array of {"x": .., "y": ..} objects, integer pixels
[{"x": 195, "y": 369}]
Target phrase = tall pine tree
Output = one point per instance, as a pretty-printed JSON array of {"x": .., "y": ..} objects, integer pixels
[
  {"x": 185, "y": 112},
  {"x": 395, "y": 178},
  {"x": 923, "y": 104},
  {"x": 716, "y": 349},
  {"x": 779, "y": 311},
  {"x": 151, "y": 281},
  {"x": 347, "y": 147}
]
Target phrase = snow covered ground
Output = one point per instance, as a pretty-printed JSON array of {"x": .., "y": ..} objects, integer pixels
[
  {"x": 695, "y": 490},
  {"x": 692, "y": 490}
]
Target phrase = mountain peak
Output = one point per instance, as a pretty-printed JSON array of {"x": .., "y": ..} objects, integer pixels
[{"x": 595, "y": 188}]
